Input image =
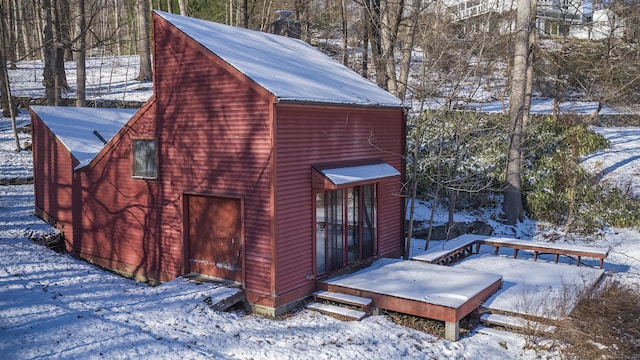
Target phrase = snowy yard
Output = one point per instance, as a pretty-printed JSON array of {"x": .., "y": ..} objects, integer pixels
[
  {"x": 55, "y": 306},
  {"x": 52, "y": 305}
]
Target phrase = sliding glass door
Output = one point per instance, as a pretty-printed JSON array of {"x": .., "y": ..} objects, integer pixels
[{"x": 345, "y": 227}]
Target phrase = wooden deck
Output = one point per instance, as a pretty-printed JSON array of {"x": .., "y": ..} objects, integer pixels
[{"x": 410, "y": 287}]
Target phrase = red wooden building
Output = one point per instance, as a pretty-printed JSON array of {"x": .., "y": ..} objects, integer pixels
[{"x": 257, "y": 159}]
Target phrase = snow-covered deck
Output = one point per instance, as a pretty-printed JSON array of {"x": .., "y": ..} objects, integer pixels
[
  {"x": 411, "y": 287},
  {"x": 534, "y": 288}
]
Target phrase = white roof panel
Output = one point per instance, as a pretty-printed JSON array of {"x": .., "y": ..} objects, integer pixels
[
  {"x": 75, "y": 127},
  {"x": 290, "y": 69},
  {"x": 353, "y": 174}
]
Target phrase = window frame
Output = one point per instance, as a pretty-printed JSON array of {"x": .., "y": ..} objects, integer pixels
[{"x": 134, "y": 151}]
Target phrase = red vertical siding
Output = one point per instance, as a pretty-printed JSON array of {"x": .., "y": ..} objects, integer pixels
[
  {"x": 53, "y": 178},
  {"x": 216, "y": 135},
  {"x": 213, "y": 133},
  {"x": 110, "y": 213},
  {"x": 307, "y": 135}
]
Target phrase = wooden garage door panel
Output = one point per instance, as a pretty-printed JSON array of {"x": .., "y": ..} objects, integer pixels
[{"x": 215, "y": 231}]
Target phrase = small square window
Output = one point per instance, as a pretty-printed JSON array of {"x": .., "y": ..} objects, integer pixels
[{"x": 145, "y": 162}]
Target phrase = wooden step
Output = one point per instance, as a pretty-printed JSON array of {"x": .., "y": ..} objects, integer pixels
[
  {"x": 514, "y": 322},
  {"x": 361, "y": 302},
  {"x": 337, "y": 311},
  {"x": 227, "y": 302},
  {"x": 495, "y": 332}
]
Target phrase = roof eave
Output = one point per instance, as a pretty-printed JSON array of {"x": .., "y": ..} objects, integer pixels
[{"x": 280, "y": 100}]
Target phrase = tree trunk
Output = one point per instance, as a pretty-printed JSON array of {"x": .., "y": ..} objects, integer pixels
[
  {"x": 5, "y": 96},
  {"x": 243, "y": 14},
  {"x": 81, "y": 78},
  {"x": 375, "y": 40},
  {"x": 144, "y": 41},
  {"x": 365, "y": 45},
  {"x": 512, "y": 203},
  {"x": 63, "y": 29},
  {"x": 49, "y": 55},
  {"x": 407, "y": 48},
  {"x": 343, "y": 21},
  {"x": 40, "y": 23},
  {"x": 26, "y": 40},
  {"x": 184, "y": 7},
  {"x": 55, "y": 76},
  {"x": 11, "y": 51},
  {"x": 5, "y": 82},
  {"x": 529, "y": 80},
  {"x": 388, "y": 48},
  {"x": 302, "y": 14}
]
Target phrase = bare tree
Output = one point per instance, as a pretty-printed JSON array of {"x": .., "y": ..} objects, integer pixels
[
  {"x": 446, "y": 143},
  {"x": 372, "y": 9},
  {"x": 144, "y": 40},
  {"x": 345, "y": 32},
  {"x": 184, "y": 7},
  {"x": 512, "y": 205},
  {"x": 81, "y": 77},
  {"x": 49, "y": 81},
  {"x": 55, "y": 79},
  {"x": 4, "y": 80}
]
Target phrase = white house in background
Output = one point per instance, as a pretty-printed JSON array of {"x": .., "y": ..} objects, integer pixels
[
  {"x": 466, "y": 9},
  {"x": 574, "y": 18},
  {"x": 604, "y": 24}
]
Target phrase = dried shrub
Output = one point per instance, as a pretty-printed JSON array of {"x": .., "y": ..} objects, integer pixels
[
  {"x": 604, "y": 324},
  {"x": 429, "y": 326}
]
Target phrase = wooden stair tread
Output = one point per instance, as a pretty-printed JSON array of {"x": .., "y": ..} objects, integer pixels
[
  {"x": 515, "y": 322},
  {"x": 343, "y": 298},
  {"x": 337, "y": 310},
  {"x": 495, "y": 332}
]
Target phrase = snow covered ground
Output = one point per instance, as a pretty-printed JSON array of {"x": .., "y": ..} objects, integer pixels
[
  {"x": 55, "y": 306},
  {"x": 108, "y": 78}
]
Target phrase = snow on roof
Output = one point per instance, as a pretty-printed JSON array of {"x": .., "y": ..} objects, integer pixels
[
  {"x": 351, "y": 174},
  {"x": 76, "y": 127},
  {"x": 290, "y": 69}
]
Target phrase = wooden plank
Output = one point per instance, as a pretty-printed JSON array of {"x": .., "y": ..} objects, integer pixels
[
  {"x": 343, "y": 298},
  {"x": 516, "y": 322},
  {"x": 495, "y": 332},
  {"x": 553, "y": 248},
  {"x": 337, "y": 310},
  {"x": 227, "y": 302},
  {"x": 537, "y": 248}
]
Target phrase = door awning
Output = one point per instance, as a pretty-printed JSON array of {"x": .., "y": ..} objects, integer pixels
[{"x": 337, "y": 176}]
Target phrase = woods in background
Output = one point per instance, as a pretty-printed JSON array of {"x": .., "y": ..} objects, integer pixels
[{"x": 445, "y": 52}]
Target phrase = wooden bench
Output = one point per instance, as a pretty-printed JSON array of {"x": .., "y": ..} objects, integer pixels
[
  {"x": 545, "y": 248},
  {"x": 451, "y": 251},
  {"x": 462, "y": 246}
]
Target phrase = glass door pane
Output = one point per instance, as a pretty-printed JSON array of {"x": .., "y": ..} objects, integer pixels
[
  {"x": 335, "y": 229},
  {"x": 321, "y": 235},
  {"x": 353, "y": 234},
  {"x": 368, "y": 221}
]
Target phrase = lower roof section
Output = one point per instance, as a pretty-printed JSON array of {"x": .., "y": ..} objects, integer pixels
[{"x": 349, "y": 174}]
